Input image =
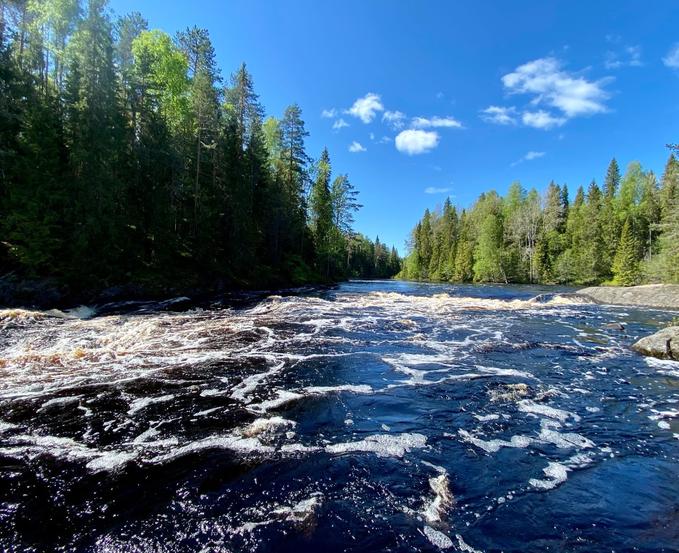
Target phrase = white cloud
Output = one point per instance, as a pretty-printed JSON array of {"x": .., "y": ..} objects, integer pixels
[
  {"x": 533, "y": 155},
  {"x": 367, "y": 107},
  {"x": 394, "y": 118},
  {"x": 672, "y": 57},
  {"x": 385, "y": 140},
  {"x": 339, "y": 124},
  {"x": 425, "y": 123},
  {"x": 499, "y": 115},
  {"x": 435, "y": 190},
  {"x": 549, "y": 84},
  {"x": 528, "y": 157},
  {"x": 541, "y": 119},
  {"x": 355, "y": 147},
  {"x": 414, "y": 141},
  {"x": 329, "y": 113},
  {"x": 630, "y": 56}
]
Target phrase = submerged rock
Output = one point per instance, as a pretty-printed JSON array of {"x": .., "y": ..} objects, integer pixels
[{"x": 664, "y": 344}]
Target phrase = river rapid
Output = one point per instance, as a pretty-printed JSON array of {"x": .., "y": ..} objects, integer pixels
[{"x": 377, "y": 416}]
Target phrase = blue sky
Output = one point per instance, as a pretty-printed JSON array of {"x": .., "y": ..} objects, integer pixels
[{"x": 454, "y": 98}]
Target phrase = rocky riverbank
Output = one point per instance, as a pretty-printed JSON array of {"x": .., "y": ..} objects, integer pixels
[{"x": 662, "y": 296}]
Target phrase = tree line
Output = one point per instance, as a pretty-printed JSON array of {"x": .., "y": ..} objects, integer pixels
[
  {"x": 126, "y": 157},
  {"x": 625, "y": 233}
]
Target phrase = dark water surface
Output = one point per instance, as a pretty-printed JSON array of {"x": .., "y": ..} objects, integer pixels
[{"x": 380, "y": 416}]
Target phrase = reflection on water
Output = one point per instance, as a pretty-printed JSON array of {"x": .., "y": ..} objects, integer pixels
[{"x": 377, "y": 416}]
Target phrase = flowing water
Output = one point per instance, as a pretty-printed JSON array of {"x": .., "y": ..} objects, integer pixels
[{"x": 378, "y": 416}]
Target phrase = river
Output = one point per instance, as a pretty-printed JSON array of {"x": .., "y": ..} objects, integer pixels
[{"x": 377, "y": 416}]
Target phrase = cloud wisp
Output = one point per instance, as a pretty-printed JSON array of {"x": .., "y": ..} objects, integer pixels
[
  {"x": 395, "y": 119},
  {"x": 329, "y": 113},
  {"x": 671, "y": 60},
  {"x": 630, "y": 56},
  {"x": 530, "y": 156},
  {"x": 435, "y": 122},
  {"x": 541, "y": 120},
  {"x": 356, "y": 147},
  {"x": 499, "y": 115},
  {"x": 366, "y": 108},
  {"x": 339, "y": 124},
  {"x": 436, "y": 190}
]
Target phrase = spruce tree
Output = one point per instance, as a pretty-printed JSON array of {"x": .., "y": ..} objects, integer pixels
[
  {"x": 626, "y": 262},
  {"x": 320, "y": 206}
]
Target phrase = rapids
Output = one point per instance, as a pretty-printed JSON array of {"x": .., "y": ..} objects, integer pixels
[{"x": 374, "y": 416}]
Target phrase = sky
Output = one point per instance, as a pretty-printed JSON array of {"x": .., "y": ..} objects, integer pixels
[{"x": 420, "y": 101}]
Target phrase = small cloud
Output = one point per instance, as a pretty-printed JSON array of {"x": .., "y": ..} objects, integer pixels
[
  {"x": 355, "y": 147},
  {"x": 435, "y": 190},
  {"x": 329, "y": 113},
  {"x": 533, "y": 155},
  {"x": 339, "y": 124},
  {"x": 499, "y": 115},
  {"x": 385, "y": 140},
  {"x": 541, "y": 120},
  {"x": 436, "y": 122},
  {"x": 413, "y": 142},
  {"x": 394, "y": 118},
  {"x": 367, "y": 107},
  {"x": 672, "y": 58},
  {"x": 372, "y": 136},
  {"x": 440, "y": 95},
  {"x": 528, "y": 157}
]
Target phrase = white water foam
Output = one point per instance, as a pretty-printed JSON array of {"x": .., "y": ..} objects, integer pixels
[
  {"x": 382, "y": 445},
  {"x": 437, "y": 538},
  {"x": 556, "y": 474}
]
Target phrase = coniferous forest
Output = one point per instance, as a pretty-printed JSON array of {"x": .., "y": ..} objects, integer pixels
[
  {"x": 624, "y": 233},
  {"x": 125, "y": 156}
]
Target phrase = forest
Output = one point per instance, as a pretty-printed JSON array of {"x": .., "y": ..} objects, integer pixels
[
  {"x": 624, "y": 233},
  {"x": 125, "y": 156}
]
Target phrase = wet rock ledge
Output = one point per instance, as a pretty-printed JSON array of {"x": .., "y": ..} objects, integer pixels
[{"x": 662, "y": 296}]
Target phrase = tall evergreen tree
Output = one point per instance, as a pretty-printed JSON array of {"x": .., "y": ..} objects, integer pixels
[{"x": 626, "y": 262}]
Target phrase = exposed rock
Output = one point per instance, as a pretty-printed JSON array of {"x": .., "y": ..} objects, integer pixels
[
  {"x": 664, "y": 344},
  {"x": 664, "y": 296},
  {"x": 614, "y": 326}
]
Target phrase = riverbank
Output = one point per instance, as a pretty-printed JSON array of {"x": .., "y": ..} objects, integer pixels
[
  {"x": 661, "y": 296},
  {"x": 43, "y": 294}
]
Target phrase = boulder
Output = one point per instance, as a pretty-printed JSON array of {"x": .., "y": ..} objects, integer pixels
[{"x": 664, "y": 344}]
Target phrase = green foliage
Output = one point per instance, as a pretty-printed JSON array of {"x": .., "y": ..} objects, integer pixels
[
  {"x": 628, "y": 231},
  {"x": 123, "y": 158}
]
